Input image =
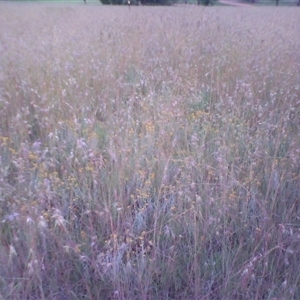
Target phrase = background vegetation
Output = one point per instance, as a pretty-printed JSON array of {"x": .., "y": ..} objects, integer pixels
[
  {"x": 169, "y": 2},
  {"x": 149, "y": 154}
]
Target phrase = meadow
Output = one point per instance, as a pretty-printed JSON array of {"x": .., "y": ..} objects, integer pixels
[{"x": 150, "y": 153}]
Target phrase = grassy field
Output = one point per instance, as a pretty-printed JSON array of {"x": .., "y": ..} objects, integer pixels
[{"x": 149, "y": 154}]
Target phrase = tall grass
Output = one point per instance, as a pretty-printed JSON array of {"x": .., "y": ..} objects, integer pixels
[{"x": 149, "y": 154}]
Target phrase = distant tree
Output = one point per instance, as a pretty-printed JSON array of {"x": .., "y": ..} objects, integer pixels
[
  {"x": 158, "y": 2},
  {"x": 205, "y": 2},
  {"x": 277, "y": 2},
  {"x": 113, "y": 2},
  {"x": 133, "y": 2}
]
